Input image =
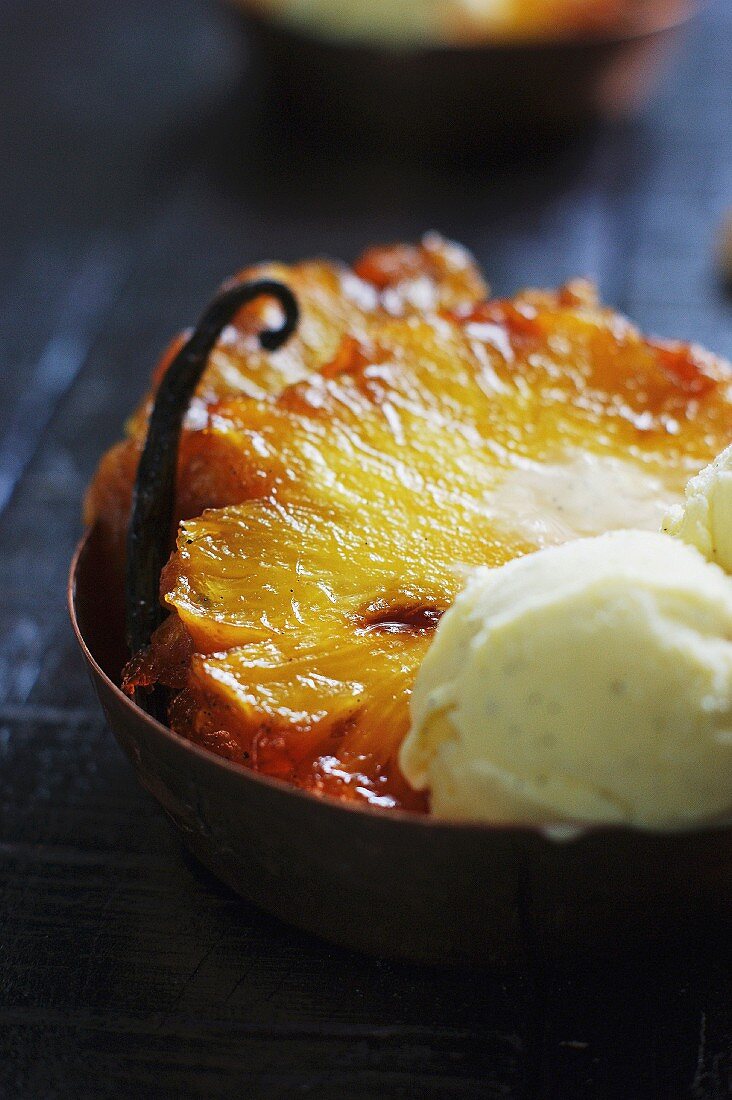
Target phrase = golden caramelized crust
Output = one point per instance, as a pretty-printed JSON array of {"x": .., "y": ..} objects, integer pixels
[
  {"x": 334, "y": 301},
  {"x": 302, "y": 611}
]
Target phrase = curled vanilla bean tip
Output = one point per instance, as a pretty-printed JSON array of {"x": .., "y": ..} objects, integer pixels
[{"x": 149, "y": 534}]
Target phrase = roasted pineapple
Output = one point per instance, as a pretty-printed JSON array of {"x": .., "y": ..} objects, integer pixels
[
  {"x": 334, "y": 300},
  {"x": 357, "y": 495}
]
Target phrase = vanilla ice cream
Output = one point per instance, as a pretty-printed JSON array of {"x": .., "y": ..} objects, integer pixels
[
  {"x": 705, "y": 518},
  {"x": 589, "y": 682}
]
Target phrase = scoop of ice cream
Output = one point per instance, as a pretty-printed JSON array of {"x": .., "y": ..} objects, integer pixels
[
  {"x": 586, "y": 682},
  {"x": 705, "y": 518}
]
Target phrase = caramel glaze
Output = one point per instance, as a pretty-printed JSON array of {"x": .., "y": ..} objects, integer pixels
[{"x": 405, "y": 618}]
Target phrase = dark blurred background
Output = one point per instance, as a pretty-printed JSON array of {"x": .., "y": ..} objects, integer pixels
[{"x": 135, "y": 175}]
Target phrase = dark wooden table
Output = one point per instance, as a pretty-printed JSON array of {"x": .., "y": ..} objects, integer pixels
[{"x": 130, "y": 187}]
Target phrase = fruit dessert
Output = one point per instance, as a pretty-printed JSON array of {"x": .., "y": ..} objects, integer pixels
[
  {"x": 333, "y": 495},
  {"x": 385, "y": 23}
]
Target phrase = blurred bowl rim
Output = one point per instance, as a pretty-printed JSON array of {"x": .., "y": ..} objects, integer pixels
[
  {"x": 559, "y": 834},
  {"x": 676, "y": 15}
]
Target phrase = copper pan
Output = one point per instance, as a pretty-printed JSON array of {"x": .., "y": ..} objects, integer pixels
[
  {"x": 392, "y": 883},
  {"x": 471, "y": 98}
]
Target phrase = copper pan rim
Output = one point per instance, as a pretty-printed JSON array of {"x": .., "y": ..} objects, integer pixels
[{"x": 552, "y": 834}]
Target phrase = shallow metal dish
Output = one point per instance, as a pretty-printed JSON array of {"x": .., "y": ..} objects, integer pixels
[
  {"x": 458, "y": 97},
  {"x": 389, "y": 882}
]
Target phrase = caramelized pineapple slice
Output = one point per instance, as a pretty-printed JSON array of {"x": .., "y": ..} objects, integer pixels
[
  {"x": 328, "y": 715},
  {"x": 334, "y": 300},
  {"x": 303, "y": 655},
  {"x": 308, "y": 608}
]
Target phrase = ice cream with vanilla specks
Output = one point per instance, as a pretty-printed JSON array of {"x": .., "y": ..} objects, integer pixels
[{"x": 588, "y": 682}]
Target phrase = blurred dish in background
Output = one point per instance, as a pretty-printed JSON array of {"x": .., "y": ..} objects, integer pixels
[
  {"x": 456, "y": 22},
  {"x": 464, "y": 75}
]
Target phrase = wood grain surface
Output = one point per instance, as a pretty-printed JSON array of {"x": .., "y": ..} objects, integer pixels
[{"x": 132, "y": 182}]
